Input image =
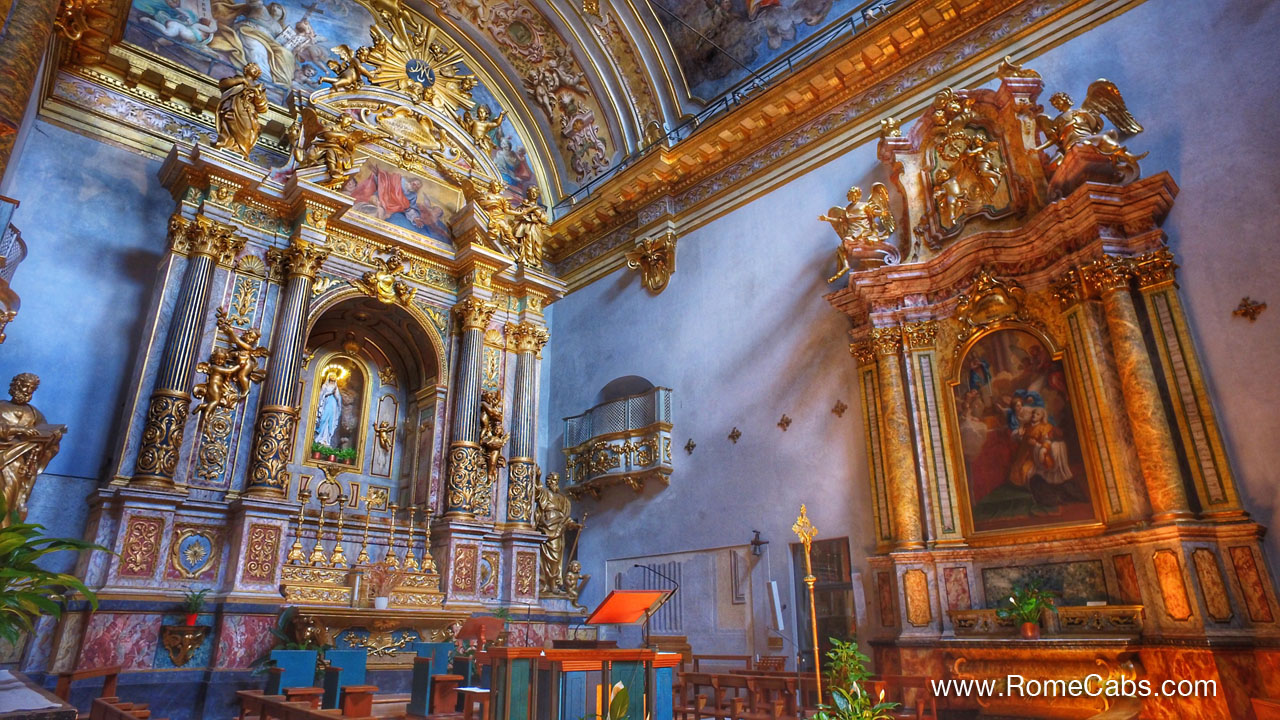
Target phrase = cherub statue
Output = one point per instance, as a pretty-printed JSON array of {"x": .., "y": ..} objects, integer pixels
[
  {"x": 331, "y": 144},
  {"x": 493, "y": 437},
  {"x": 384, "y": 283},
  {"x": 488, "y": 197},
  {"x": 385, "y": 432},
  {"x": 479, "y": 126},
  {"x": 243, "y": 101},
  {"x": 949, "y": 197},
  {"x": 218, "y": 389},
  {"x": 864, "y": 228},
  {"x": 349, "y": 73},
  {"x": 1083, "y": 126},
  {"x": 530, "y": 228},
  {"x": 245, "y": 353},
  {"x": 574, "y": 581}
]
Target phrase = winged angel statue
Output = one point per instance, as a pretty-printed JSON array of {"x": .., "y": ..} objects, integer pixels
[
  {"x": 316, "y": 141},
  {"x": 864, "y": 229},
  {"x": 1084, "y": 127}
]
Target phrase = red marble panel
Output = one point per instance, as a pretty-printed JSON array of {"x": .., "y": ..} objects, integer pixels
[
  {"x": 1129, "y": 590},
  {"x": 243, "y": 639},
  {"x": 1173, "y": 589},
  {"x": 1255, "y": 593},
  {"x": 1210, "y": 576},
  {"x": 125, "y": 639},
  {"x": 884, "y": 589},
  {"x": 955, "y": 580}
]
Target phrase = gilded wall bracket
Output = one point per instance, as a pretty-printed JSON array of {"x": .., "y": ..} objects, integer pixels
[{"x": 655, "y": 258}]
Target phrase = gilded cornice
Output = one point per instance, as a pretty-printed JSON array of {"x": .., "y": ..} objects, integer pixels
[
  {"x": 834, "y": 102},
  {"x": 1108, "y": 273}
]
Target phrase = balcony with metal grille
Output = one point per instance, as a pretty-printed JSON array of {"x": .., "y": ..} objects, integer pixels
[{"x": 622, "y": 441}]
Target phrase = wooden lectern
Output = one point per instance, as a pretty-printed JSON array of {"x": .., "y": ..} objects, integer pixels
[{"x": 571, "y": 683}]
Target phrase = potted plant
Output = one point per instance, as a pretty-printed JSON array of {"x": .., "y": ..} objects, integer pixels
[
  {"x": 294, "y": 635},
  {"x": 846, "y": 671},
  {"x": 383, "y": 578},
  {"x": 193, "y": 603},
  {"x": 1026, "y": 605},
  {"x": 27, "y": 590}
]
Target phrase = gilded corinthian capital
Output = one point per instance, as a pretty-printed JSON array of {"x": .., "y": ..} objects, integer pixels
[
  {"x": 202, "y": 236},
  {"x": 1107, "y": 274},
  {"x": 301, "y": 259},
  {"x": 887, "y": 341},
  {"x": 527, "y": 337},
  {"x": 474, "y": 313},
  {"x": 921, "y": 334}
]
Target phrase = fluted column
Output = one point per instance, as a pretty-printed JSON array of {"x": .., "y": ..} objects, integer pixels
[
  {"x": 205, "y": 242},
  {"x": 529, "y": 340},
  {"x": 1110, "y": 278},
  {"x": 273, "y": 434},
  {"x": 900, "y": 458},
  {"x": 468, "y": 488}
]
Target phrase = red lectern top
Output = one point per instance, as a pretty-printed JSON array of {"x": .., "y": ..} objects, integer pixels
[{"x": 627, "y": 607}]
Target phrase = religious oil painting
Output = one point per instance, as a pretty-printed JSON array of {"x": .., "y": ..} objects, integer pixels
[
  {"x": 290, "y": 40},
  {"x": 1022, "y": 454},
  {"x": 721, "y": 42},
  {"x": 338, "y": 409},
  {"x": 404, "y": 200}
]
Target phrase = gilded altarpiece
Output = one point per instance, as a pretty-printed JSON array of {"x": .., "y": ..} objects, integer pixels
[
  {"x": 1035, "y": 410},
  {"x": 325, "y": 325}
]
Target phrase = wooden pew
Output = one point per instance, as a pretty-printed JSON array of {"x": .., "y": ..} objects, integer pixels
[
  {"x": 276, "y": 707},
  {"x": 110, "y": 675},
  {"x": 730, "y": 660},
  {"x": 111, "y": 708}
]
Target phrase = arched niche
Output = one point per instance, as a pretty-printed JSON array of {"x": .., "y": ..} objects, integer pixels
[
  {"x": 370, "y": 397},
  {"x": 1020, "y": 449},
  {"x": 622, "y": 387}
]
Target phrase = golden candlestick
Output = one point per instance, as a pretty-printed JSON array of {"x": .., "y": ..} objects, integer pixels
[
  {"x": 428, "y": 562},
  {"x": 807, "y": 532},
  {"x": 390, "y": 558},
  {"x": 317, "y": 553},
  {"x": 410, "y": 562},
  {"x": 339, "y": 559},
  {"x": 363, "y": 558},
  {"x": 296, "y": 554}
]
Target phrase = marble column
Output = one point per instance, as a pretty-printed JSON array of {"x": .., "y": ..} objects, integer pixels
[
  {"x": 899, "y": 450},
  {"x": 468, "y": 490},
  {"x": 273, "y": 434},
  {"x": 529, "y": 340},
  {"x": 27, "y": 25},
  {"x": 1152, "y": 433},
  {"x": 205, "y": 242}
]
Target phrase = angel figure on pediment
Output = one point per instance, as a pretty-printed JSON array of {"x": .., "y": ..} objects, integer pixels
[
  {"x": 349, "y": 73},
  {"x": 864, "y": 228},
  {"x": 331, "y": 144},
  {"x": 488, "y": 196},
  {"x": 479, "y": 125},
  {"x": 1083, "y": 126}
]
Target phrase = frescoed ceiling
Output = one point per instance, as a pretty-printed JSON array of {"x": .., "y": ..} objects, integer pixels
[{"x": 585, "y": 84}]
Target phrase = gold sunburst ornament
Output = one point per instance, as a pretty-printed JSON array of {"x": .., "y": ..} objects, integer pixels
[
  {"x": 807, "y": 532},
  {"x": 412, "y": 56}
]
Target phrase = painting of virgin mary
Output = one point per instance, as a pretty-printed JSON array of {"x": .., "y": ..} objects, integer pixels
[
  {"x": 339, "y": 408},
  {"x": 1022, "y": 457}
]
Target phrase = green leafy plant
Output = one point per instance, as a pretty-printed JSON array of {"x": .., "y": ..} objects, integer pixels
[
  {"x": 855, "y": 705},
  {"x": 27, "y": 590},
  {"x": 1027, "y": 603},
  {"x": 846, "y": 672},
  {"x": 619, "y": 700},
  {"x": 346, "y": 454},
  {"x": 193, "y": 601},
  {"x": 846, "y": 666}
]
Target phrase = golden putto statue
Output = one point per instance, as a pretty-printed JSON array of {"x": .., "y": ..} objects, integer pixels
[
  {"x": 864, "y": 228},
  {"x": 27, "y": 444},
  {"x": 553, "y": 518},
  {"x": 230, "y": 371},
  {"x": 243, "y": 101},
  {"x": 493, "y": 436},
  {"x": 518, "y": 231},
  {"x": 349, "y": 73},
  {"x": 479, "y": 125}
]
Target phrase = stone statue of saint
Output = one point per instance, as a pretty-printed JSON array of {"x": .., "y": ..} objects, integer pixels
[
  {"x": 27, "y": 444},
  {"x": 552, "y": 519}
]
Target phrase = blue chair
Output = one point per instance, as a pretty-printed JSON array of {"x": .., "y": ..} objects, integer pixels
[
  {"x": 293, "y": 669},
  {"x": 439, "y": 652},
  {"x": 346, "y": 668}
]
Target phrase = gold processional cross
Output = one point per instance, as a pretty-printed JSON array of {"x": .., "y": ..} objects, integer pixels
[{"x": 807, "y": 532}]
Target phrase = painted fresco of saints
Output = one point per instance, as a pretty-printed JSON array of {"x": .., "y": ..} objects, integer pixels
[
  {"x": 1022, "y": 456},
  {"x": 404, "y": 200}
]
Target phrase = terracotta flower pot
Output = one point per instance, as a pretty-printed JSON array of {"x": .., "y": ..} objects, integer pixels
[
  {"x": 316, "y": 455},
  {"x": 332, "y": 458},
  {"x": 1030, "y": 631},
  {"x": 191, "y": 619}
]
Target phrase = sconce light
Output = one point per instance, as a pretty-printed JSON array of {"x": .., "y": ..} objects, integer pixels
[{"x": 757, "y": 545}]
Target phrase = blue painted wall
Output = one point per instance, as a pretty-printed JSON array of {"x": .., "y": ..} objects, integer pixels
[
  {"x": 743, "y": 335},
  {"x": 93, "y": 217}
]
